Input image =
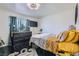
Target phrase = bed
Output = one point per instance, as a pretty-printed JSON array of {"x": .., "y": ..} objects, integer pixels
[
  {"x": 40, "y": 39},
  {"x": 62, "y": 49}
]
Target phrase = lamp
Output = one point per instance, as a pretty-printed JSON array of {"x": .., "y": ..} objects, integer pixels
[{"x": 33, "y": 6}]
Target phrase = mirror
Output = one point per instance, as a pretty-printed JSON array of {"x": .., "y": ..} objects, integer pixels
[{"x": 19, "y": 24}]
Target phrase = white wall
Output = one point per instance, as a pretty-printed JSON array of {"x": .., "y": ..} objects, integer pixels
[
  {"x": 4, "y": 23},
  {"x": 58, "y": 22}
]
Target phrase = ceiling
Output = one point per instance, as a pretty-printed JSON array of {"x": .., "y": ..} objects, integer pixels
[{"x": 44, "y": 10}]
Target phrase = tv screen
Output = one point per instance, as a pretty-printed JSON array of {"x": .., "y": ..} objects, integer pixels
[{"x": 33, "y": 24}]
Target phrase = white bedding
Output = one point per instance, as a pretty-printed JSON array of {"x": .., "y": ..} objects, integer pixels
[{"x": 40, "y": 39}]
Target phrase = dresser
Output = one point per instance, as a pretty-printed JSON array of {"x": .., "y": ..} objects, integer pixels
[{"x": 20, "y": 40}]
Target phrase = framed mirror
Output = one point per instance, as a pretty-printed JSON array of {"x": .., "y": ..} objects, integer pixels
[
  {"x": 21, "y": 24},
  {"x": 18, "y": 24}
]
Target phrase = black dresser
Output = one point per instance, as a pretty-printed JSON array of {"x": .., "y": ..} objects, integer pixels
[{"x": 20, "y": 40}]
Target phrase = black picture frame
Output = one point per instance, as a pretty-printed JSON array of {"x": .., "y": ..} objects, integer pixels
[{"x": 33, "y": 23}]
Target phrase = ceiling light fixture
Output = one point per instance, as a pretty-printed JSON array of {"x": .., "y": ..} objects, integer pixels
[{"x": 33, "y": 6}]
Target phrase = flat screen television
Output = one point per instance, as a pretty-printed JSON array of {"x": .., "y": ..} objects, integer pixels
[{"x": 33, "y": 24}]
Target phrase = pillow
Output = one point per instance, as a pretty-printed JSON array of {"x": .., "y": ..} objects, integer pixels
[
  {"x": 63, "y": 36},
  {"x": 76, "y": 38},
  {"x": 71, "y": 36}
]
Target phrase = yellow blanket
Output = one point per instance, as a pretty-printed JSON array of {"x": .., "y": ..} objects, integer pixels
[{"x": 66, "y": 47}]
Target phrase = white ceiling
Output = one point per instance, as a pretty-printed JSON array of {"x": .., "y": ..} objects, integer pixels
[{"x": 44, "y": 10}]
